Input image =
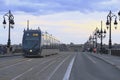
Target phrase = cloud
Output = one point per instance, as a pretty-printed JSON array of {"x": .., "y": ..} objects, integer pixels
[
  {"x": 68, "y": 20},
  {"x": 66, "y": 26},
  {"x": 40, "y": 7},
  {"x": 110, "y": 2}
]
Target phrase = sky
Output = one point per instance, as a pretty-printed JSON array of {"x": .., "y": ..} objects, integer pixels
[{"x": 68, "y": 20}]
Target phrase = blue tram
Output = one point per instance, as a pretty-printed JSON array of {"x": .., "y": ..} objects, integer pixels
[{"x": 35, "y": 43}]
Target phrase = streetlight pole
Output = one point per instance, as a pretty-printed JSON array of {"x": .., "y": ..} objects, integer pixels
[
  {"x": 11, "y": 22},
  {"x": 96, "y": 36},
  {"x": 119, "y": 15},
  {"x": 101, "y": 35},
  {"x": 91, "y": 41},
  {"x": 108, "y": 23}
]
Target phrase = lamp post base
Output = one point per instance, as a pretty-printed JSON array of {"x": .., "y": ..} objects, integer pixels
[
  {"x": 8, "y": 50},
  {"x": 109, "y": 51}
]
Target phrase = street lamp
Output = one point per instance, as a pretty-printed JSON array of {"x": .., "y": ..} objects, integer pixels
[
  {"x": 119, "y": 15},
  {"x": 91, "y": 41},
  {"x": 95, "y": 36},
  {"x": 11, "y": 23},
  {"x": 108, "y": 23},
  {"x": 90, "y": 38},
  {"x": 101, "y": 34}
]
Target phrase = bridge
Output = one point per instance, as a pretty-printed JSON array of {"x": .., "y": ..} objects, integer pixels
[
  {"x": 66, "y": 65},
  {"x": 89, "y": 61}
]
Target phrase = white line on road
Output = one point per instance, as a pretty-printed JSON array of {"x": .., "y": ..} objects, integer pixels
[
  {"x": 45, "y": 68},
  {"x": 33, "y": 68},
  {"x": 90, "y": 58},
  {"x": 21, "y": 74},
  {"x": 14, "y": 64},
  {"x": 57, "y": 68},
  {"x": 67, "y": 74},
  {"x": 29, "y": 60},
  {"x": 27, "y": 71}
]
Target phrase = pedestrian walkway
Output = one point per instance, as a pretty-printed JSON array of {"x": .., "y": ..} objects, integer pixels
[
  {"x": 113, "y": 60},
  {"x": 10, "y": 54}
]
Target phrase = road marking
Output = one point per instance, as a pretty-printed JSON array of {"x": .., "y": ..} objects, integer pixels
[
  {"x": 27, "y": 70},
  {"x": 90, "y": 58},
  {"x": 7, "y": 59},
  {"x": 29, "y": 60},
  {"x": 17, "y": 60},
  {"x": 57, "y": 68},
  {"x": 13, "y": 65},
  {"x": 22, "y": 74},
  {"x": 33, "y": 68},
  {"x": 45, "y": 67},
  {"x": 67, "y": 74}
]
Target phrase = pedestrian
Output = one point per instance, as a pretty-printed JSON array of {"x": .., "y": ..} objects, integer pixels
[{"x": 94, "y": 50}]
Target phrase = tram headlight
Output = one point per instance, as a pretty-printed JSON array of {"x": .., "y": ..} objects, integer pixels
[{"x": 30, "y": 50}]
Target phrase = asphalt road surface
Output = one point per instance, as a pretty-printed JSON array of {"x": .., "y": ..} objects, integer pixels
[
  {"x": 87, "y": 67},
  {"x": 63, "y": 66}
]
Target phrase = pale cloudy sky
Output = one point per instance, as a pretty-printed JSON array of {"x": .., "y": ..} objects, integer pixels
[{"x": 68, "y": 20}]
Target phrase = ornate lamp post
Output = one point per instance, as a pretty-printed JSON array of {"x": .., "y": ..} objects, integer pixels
[
  {"x": 119, "y": 15},
  {"x": 96, "y": 36},
  {"x": 108, "y": 23},
  {"x": 11, "y": 23},
  {"x": 91, "y": 42},
  {"x": 101, "y": 35}
]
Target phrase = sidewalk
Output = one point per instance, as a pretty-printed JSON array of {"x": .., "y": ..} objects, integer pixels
[
  {"x": 11, "y": 54},
  {"x": 113, "y": 60}
]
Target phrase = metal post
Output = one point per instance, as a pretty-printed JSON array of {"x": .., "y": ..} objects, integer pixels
[
  {"x": 96, "y": 42},
  {"x": 11, "y": 22},
  {"x": 9, "y": 41},
  {"x": 101, "y": 36},
  {"x": 108, "y": 23},
  {"x": 110, "y": 41}
]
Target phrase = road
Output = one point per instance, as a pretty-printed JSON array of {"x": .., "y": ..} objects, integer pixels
[
  {"x": 87, "y": 67},
  {"x": 64, "y": 66}
]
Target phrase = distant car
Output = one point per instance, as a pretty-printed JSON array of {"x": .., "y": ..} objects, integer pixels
[{"x": 34, "y": 41}]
